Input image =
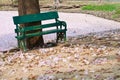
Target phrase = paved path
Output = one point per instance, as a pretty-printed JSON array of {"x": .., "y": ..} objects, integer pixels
[{"x": 77, "y": 23}]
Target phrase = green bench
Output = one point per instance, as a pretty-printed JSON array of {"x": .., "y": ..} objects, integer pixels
[{"x": 60, "y": 27}]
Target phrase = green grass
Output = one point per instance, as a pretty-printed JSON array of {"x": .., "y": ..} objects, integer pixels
[
  {"x": 102, "y": 7},
  {"x": 116, "y": 14},
  {"x": 117, "y": 11}
]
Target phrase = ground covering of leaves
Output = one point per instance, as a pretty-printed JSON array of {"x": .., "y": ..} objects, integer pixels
[{"x": 85, "y": 57}]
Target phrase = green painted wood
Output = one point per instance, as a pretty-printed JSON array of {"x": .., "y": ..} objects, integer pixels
[
  {"x": 40, "y": 33},
  {"x": 16, "y": 30},
  {"x": 35, "y": 17},
  {"x": 61, "y": 26},
  {"x": 29, "y": 28}
]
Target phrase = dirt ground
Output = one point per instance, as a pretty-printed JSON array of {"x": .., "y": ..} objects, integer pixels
[{"x": 90, "y": 57}]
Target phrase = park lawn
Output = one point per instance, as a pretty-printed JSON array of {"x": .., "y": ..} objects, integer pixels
[
  {"x": 101, "y": 7},
  {"x": 117, "y": 13},
  {"x": 107, "y": 7}
]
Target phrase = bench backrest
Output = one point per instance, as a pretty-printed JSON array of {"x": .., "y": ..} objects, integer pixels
[{"x": 35, "y": 17}]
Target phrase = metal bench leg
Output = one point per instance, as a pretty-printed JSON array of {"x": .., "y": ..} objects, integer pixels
[
  {"x": 18, "y": 43},
  {"x": 64, "y": 36},
  {"x": 61, "y": 36},
  {"x": 23, "y": 45},
  {"x": 57, "y": 38}
]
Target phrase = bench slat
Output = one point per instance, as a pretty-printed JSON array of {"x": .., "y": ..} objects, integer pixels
[
  {"x": 40, "y": 33},
  {"x": 35, "y": 17},
  {"x": 29, "y": 28}
]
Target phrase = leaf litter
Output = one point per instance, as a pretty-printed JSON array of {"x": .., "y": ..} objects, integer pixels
[{"x": 88, "y": 57}]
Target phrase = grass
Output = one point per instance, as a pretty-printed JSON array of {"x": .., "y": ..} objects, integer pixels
[
  {"x": 116, "y": 14},
  {"x": 106, "y": 7},
  {"x": 118, "y": 11},
  {"x": 101, "y": 7}
]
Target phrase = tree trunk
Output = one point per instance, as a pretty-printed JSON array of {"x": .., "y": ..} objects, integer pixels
[
  {"x": 56, "y": 3},
  {"x": 99, "y": 1},
  {"x": 30, "y": 7}
]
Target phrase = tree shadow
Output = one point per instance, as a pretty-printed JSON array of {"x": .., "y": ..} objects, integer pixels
[{"x": 109, "y": 38}]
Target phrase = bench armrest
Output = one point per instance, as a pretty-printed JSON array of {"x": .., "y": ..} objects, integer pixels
[
  {"x": 19, "y": 30},
  {"x": 19, "y": 35},
  {"x": 62, "y": 23}
]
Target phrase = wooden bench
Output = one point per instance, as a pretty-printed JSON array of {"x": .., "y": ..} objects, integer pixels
[{"x": 60, "y": 27}]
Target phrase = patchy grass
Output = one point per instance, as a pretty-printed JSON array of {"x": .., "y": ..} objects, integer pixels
[
  {"x": 112, "y": 9},
  {"x": 117, "y": 13},
  {"x": 101, "y": 7}
]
